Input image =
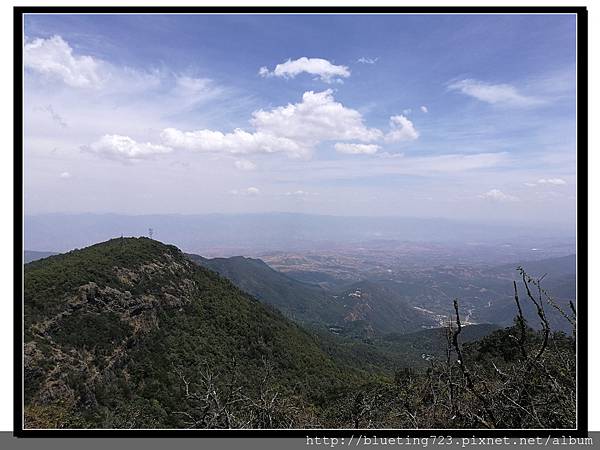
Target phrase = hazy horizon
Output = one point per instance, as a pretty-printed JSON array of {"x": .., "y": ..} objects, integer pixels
[
  {"x": 552, "y": 227},
  {"x": 260, "y": 233}
]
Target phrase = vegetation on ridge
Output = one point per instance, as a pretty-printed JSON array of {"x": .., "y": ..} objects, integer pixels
[{"x": 131, "y": 334}]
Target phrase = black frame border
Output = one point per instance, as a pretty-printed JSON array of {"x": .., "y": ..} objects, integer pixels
[{"x": 582, "y": 219}]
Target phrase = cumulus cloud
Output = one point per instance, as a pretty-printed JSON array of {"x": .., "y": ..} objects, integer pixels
[
  {"x": 497, "y": 195},
  {"x": 251, "y": 191},
  {"x": 322, "y": 68},
  {"x": 124, "y": 148},
  {"x": 402, "y": 129},
  {"x": 424, "y": 109},
  {"x": 356, "y": 149},
  {"x": 54, "y": 57},
  {"x": 316, "y": 118},
  {"x": 495, "y": 94},
  {"x": 555, "y": 181},
  {"x": 365, "y": 60},
  {"x": 237, "y": 142},
  {"x": 244, "y": 164},
  {"x": 293, "y": 130}
]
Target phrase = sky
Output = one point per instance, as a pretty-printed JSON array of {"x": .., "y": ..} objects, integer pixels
[{"x": 466, "y": 117}]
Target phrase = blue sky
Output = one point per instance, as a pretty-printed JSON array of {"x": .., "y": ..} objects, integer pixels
[{"x": 431, "y": 116}]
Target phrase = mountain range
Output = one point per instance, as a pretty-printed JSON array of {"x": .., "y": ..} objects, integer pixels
[
  {"x": 406, "y": 303},
  {"x": 231, "y": 234},
  {"x": 133, "y": 333},
  {"x": 363, "y": 308}
]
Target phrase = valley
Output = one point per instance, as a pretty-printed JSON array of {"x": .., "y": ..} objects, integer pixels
[{"x": 393, "y": 293}]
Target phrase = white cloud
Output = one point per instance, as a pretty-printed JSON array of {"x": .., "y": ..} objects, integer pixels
[
  {"x": 189, "y": 84},
  {"x": 402, "y": 129},
  {"x": 124, "y": 148},
  {"x": 555, "y": 181},
  {"x": 65, "y": 175},
  {"x": 495, "y": 94},
  {"x": 451, "y": 162},
  {"x": 407, "y": 111},
  {"x": 244, "y": 164},
  {"x": 264, "y": 72},
  {"x": 365, "y": 60},
  {"x": 317, "y": 117},
  {"x": 396, "y": 164},
  {"x": 498, "y": 196},
  {"x": 188, "y": 91},
  {"x": 299, "y": 193},
  {"x": 322, "y": 68},
  {"x": 356, "y": 149},
  {"x": 293, "y": 130},
  {"x": 237, "y": 142},
  {"x": 54, "y": 57},
  {"x": 251, "y": 191},
  {"x": 424, "y": 109}
]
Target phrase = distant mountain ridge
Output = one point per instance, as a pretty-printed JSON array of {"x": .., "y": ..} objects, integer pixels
[
  {"x": 61, "y": 232},
  {"x": 563, "y": 265},
  {"x": 376, "y": 307},
  {"x": 299, "y": 301},
  {"x": 365, "y": 309}
]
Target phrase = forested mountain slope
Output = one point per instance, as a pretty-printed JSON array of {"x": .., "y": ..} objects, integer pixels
[{"x": 126, "y": 332}]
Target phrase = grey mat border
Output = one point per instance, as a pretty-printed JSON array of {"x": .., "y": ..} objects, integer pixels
[{"x": 9, "y": 441}]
